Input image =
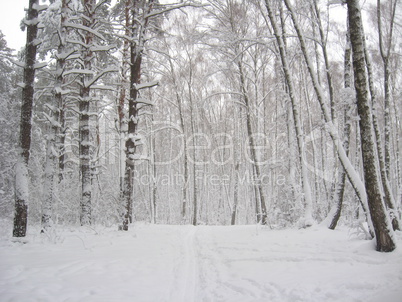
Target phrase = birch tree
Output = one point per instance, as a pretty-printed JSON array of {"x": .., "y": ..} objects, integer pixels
[
  {"x": 382, "y": 225},
  {"x": 386, "y": 41},
  {"x": 352, "y": 174},
  {"x": 308, "y": 218},
  {"x": 340, "y": 187}
]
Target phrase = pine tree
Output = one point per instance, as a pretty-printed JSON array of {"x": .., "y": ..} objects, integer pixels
[{"x": 21, "y": 172}]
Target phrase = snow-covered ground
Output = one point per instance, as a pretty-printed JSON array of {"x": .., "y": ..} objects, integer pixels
[{"x": 206, "y": 263}]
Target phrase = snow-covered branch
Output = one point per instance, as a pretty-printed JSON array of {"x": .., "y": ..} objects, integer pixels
[
  {"x": 85, "y": 28},
  {"x": 146, "y": 85},
  {"x": 90, "y": 82},
  {"x": 173, "y": 7}
]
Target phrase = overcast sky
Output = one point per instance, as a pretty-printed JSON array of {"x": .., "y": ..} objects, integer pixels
[{"x": 11, "y": 14}]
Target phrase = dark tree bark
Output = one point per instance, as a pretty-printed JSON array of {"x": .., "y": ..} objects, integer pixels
[
  {"x": 135, "y": 76},
  {"x": 58, "y": 94},
  {"x": 123, "y": 121},
  {"x": 22, "y": 178},
  {"x": 381, "y": 223},
  {"x": 138, "y": 31}
]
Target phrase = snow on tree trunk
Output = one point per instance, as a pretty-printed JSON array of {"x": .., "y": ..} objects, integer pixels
[
  {"x": 340, "y": 186},
  {"x": 87, "y": 57},
  {"x": 308, "y": 211},
  {"x": 385, "y": 52},
  {"x": 55, "y": 138},
  {"x": 237, "y": 145},
  {"x": 49, "y": 186},
  {"x": 184, "y": 189},
  {"x": 136, "y": 49},
  {"x": 384, "y": 157},
  {"x": 21, "y": 170},
  {"x": 140, "y": 14},
  {"x": 135, "y": 76},
  {"x": 58, "y": 91},
  {"x": 125, "y": 83},
  {"x": 351, "y": 172},
  {"x": 386, "y": 186},
  {"x": 382, "y": 225}
]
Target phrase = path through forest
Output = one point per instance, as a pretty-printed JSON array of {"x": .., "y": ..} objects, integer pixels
[{"x": 198, "y": 264}]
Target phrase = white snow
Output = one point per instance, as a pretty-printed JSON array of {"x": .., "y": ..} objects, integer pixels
[{"x": 204, "y": 263}]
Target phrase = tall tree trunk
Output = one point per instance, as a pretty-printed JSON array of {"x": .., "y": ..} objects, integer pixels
[
  {"x": 260, "y": 197},
  {"x": 21, "y": 168},
  {"x": 385, "y": 157},
  {"x": 194, "y": 134},
  {"x": 326, "y": 60},
  {"x": 386, "y": 186},
  {"x": 184, "y": 189},
  {"x": 152, "y": 171},
  {"x": 308, "y": 217},
  {"x": 135, "y": 77},
  {"x": 236, "y": 158},
  {"x": 88, "y": 20},
  {"x": 382, "y": 225},
  {"x": 340, "y": 187},
  {"x": 121, "y": 110},
  {"x": 49, "y": 186},
  {"x": 55, "y": 141},
  {"x": 351, "y": 172},
  {"x": 385, "y": 52},
  {"x": 58, "y": 93},
  {"x": 137, "y": 44},
  {"x": 185, "y": 163}
]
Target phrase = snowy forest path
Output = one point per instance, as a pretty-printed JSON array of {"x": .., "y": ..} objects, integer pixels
[
  {"x": 197, "y": 264},
  {"x": 184, "y": 287}
]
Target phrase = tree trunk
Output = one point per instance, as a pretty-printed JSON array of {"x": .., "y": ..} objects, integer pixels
[
  {"x": 49, "y": 187},
  {"x": 385, "y": 52},
  {"x": 138, "y": 29},
  {"x": 386, "y": 186},
  {"x": 135, "y": 77},
  {"x": 21, "y": 170},
  {"x": 340, "y": 187},
  {"x": 260, "y": 197},
  {"x": 351, "y": 172},
  {"x": 381, "y": 222},
  {"x": 308, "y": 218},
  {"x": 123, "y": 121},
  {"x": 88, "y": 20},
  {"x": 384, "y": 157},
  {"x": 55, "y": 141},
  {"x": 193, "y": 113},
  {"x": 184, "y": 189},
  {"x": 236, "y": 158},
  {"x": 58, "y": 93}
]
